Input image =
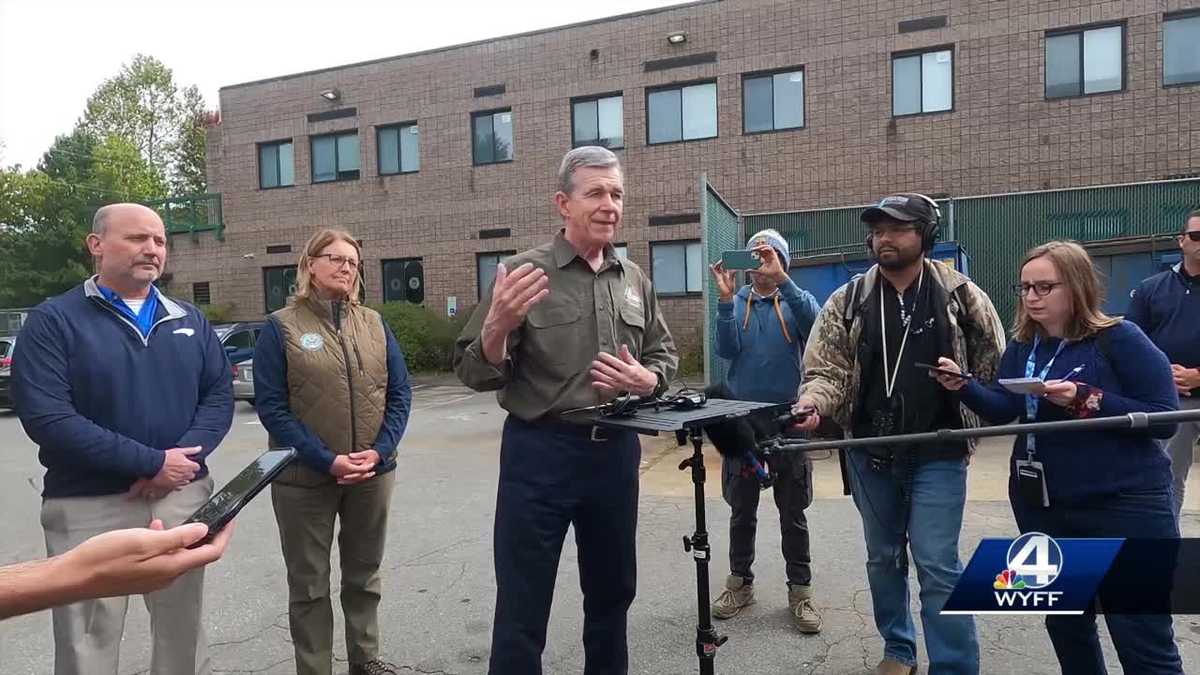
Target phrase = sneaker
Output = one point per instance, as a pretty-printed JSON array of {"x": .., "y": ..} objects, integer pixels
[
  {"x": 373, "y": 667},
  {"x": 804, "y": 612},
  {"x": 738, "y": 593},
  {"x": 890, "y": 667}
]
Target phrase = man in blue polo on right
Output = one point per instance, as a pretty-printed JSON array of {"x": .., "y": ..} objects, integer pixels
[{"x": 1167, "y": 308}]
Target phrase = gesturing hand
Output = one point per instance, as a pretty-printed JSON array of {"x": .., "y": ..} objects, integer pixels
[
  {"x": 612, "y": 375},
  {"x": 514, "y": 294}
]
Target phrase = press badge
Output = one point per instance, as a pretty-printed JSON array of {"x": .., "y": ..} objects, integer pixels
[{"x": 1031, "y": 482}]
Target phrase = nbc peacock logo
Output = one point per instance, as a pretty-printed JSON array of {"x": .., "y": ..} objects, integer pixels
[{"x": 1008, "y": 580}]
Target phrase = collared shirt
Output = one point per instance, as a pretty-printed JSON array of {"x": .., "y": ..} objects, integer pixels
[
  {"x": 547, "y": 368},
  {"x": 143, "y": 316},
  {"x": 1167, "y": 308}
]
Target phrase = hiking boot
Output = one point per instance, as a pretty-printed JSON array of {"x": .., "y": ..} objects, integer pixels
[
  {"x": 804, "y": 612},
  {"x": 373, "y": 667},
  {"x": 738, "y": 593},
  {"x": 890, "y": 667}
]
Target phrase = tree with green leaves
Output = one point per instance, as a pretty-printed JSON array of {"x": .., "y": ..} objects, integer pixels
[
  {"x": 46, "y": 213},
  {"x": 140, "y": 139},
  {"x": 143, "y": 105}
]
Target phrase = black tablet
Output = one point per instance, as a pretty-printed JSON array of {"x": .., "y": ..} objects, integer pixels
[{"x": 227, "y": 501}]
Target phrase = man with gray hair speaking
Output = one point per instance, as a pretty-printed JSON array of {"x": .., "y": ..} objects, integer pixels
[
  {"x": 567, "y": 325},
  {"x": 126, "y": 392}
]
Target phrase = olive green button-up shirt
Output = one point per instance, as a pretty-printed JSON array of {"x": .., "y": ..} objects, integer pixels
[{"x": 547, "y": 368}]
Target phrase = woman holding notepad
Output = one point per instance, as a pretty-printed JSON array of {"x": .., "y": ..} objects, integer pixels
[{"x": 1068, "y": 360}]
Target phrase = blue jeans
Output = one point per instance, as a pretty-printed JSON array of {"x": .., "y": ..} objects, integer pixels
[
  {"x": 938, "y": 493},
  {"x": 1145, "y": 642}
]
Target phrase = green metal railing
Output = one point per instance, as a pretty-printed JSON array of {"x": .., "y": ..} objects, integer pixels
[
  {"x": 720, "y": 229},
  {"x": 997, "y": 230},
  {"x": 192, "y": 214}
]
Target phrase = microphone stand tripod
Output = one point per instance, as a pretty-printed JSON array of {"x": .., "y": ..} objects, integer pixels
[{"x": 686, "y": 417}]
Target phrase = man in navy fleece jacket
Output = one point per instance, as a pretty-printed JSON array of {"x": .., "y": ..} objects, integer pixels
[
  {"x": 126, "y": 392},
  {"x": 1167, "y": 307}
]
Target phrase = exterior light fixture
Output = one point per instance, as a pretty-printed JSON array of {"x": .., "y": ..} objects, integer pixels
[
  {"x": 331, "y": 94},
  {"x": 677, "y": 38}
]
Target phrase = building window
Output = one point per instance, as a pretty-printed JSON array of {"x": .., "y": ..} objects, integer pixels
[
  {"x": 598, "y": 121},
  {"x": 485, "y": 266},
  {"x": 773, "y": 101},
  {"x": 275, "y": 165},
  {"x": 1181, "y": 49},
  {"x": 622, "y": 251},
  {"x": 1085, "y": 61},
  {"x": 681, "y": 113},
  {"x": 279, "y": 284},
  {"x": 201, "y": 294},
  {"x": 493, "y": 137},
  {"x": 335, "y": 157},
  {"x": 404, "y": 281},
  {"x": 923, "y": 82},
  {"x": 399, "y": 148},
  {"x": 676, "y": 267}
]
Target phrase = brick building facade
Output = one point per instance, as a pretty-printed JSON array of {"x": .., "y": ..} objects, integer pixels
[{"x": 984, "y": 124}]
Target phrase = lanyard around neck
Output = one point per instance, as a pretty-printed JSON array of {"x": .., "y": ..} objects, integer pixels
[{"x": 889, "y": 381}]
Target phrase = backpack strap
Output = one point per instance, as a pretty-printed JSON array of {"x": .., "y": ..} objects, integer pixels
[
  {"x": 851, "y": 302},
  {"x": 964, "y": 318}
]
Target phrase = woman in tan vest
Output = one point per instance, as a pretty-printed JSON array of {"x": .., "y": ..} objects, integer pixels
[{"x": 330, "y": 381}]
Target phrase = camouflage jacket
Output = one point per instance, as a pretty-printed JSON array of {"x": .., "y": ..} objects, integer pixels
[{"x": 831, "y": 372}]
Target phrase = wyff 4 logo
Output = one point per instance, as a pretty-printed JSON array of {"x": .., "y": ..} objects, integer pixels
[{"x": 1034, "y": 561}]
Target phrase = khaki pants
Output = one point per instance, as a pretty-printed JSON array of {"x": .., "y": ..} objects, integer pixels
[
  {"x": 87, "y": 634},
  {"x": 1180, "y": 449},
  {"x": 306, "y": 505}
]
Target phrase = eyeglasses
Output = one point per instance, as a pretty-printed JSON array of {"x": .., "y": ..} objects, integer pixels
[
  {"x": 339, "y": 260},
  {"x": 1041, "y": 289},
  {"x": 1194, "y": 235}
]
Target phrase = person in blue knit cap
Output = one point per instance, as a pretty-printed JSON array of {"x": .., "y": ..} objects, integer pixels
[{"x": 761, "y": 331}]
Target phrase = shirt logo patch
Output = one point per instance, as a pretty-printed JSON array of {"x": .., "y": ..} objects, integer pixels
[
  {"x": 311, "y": 342},
  {"x": 632, "y": 297},
  {"x": 185, "y": 331}
]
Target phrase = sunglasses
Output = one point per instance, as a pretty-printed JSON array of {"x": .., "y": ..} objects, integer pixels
[{"x": 1194, "y": 235}]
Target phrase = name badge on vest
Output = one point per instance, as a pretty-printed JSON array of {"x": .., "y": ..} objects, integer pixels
[{"x": 311, "y": 342}]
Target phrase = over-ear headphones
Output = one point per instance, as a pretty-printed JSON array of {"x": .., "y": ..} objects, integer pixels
[{"x": 929, "y": 229}]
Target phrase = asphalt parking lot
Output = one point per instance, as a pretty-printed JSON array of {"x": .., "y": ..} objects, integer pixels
[{"x": 438, "y": 581}]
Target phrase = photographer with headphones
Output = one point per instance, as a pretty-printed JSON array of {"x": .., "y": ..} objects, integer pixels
[{"x": 860, "y": 373}]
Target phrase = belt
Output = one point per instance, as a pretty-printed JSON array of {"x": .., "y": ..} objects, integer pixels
[{"x": 591, "y": 432}]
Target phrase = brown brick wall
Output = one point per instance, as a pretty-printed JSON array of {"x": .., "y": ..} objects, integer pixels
[{"x": 1002, "y": 135}]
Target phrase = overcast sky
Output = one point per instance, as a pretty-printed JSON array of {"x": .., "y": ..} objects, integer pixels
[{"x": 54, "y": 53}]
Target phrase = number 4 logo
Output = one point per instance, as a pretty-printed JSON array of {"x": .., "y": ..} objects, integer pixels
[{"x": 1037, "y": 558}]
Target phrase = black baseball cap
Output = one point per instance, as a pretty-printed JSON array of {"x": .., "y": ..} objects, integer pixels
[{"x": 903, "y": 207}]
